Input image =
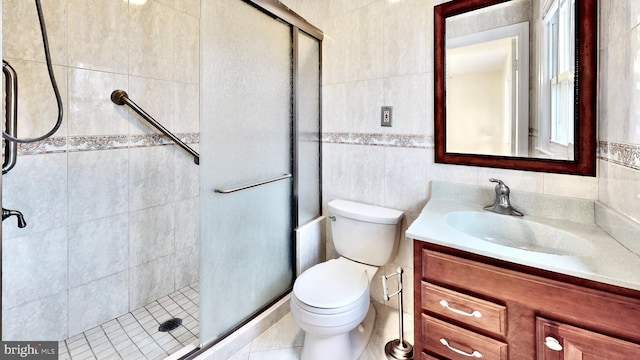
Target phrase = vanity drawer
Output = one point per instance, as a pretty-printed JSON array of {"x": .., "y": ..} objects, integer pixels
[
  {"x": 428, "y": 357},
  {"x": 456, "y": 343},
  {"x": 464, "y": 308}
]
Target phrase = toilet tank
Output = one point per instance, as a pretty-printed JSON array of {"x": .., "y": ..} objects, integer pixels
[{"x": 365, "y": 233}]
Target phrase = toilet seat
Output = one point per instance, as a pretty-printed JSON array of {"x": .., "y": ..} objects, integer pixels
[{"x": 331, "y": 285}]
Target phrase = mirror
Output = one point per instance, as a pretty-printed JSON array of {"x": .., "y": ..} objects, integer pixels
[{"x": 515, "y": 84}]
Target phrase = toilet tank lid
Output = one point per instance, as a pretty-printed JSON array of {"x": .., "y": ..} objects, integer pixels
[{"x": 364, "y": 212}]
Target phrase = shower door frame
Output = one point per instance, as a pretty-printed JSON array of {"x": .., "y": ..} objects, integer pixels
[{"x": 297, "y": 24}]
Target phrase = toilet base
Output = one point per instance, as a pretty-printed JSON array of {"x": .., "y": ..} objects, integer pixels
[{"x": 347, "y": 346}]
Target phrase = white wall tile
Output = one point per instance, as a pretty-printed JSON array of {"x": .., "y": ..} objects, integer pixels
[
  {"x": 618, "y": 97},
  {"x": 34, "y": 267},
  {"x": 98, "y": 249},
  {"x": 91, "y": 111},
  {"x": 187, "y": 223},
  {"x": 187, "y": 108},
  {"x": 619, "y": 189},
  {"x": 367, "y": 174},
  {"x": 351, "y": 50},
  {"x": 515, "y": 179},
  {"x": 152, "y": 40},
  {"x": 150, "y": 281},
  {"x": 187, "y": 174},
  {"x": 151, "y": 234},
  {"x": 187, "y": 48},
  {"x": 336, "y": 174},
  {"x": 36, "y": 186},
  {"x": 584, "y": 187},
  {"x": 409, "y": 97},
  {"x": 44, "y": 319},
  {"x": 102, "y": 29},
  {"x": 404, "y": 178},
  {"x": 187, "y": 261},
  {"x": 151, "y": 179},
  {"x": 455, "y": 173},
  {"x": 97, "y": 302},
  {"x": 406, "y": 20},
  {"x": 21, "y": 32},
  {"x": 98, "y": 184}
]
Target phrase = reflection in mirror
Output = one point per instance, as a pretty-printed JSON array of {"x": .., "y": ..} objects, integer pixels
[
  {"x": 487, "y": 77},
  {"x": 515, "y": 84}
]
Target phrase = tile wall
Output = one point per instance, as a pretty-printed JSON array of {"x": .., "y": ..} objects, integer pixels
[
  {"x": 619, "y": 106},
  {"x": 112, "y": 211}
]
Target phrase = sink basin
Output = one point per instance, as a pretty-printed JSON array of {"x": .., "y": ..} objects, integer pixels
[{"x": 518, "y": 233}]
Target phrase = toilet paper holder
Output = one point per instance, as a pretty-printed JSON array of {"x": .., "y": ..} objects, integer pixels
[{"x": 398, "y": 348}]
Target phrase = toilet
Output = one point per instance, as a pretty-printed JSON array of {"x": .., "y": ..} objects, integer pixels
[{"x": 331, "y": 300}]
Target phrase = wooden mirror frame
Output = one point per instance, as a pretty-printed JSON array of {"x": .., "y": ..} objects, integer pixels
[{"x": 585, "y": 144}]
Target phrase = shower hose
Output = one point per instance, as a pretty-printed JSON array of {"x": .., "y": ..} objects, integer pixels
[{"x": 47, "y": 56}]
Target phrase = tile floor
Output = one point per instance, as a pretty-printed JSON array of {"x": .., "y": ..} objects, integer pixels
[
  {"x": 283, "y": 341},
  {"x": 135, "y": 335}
]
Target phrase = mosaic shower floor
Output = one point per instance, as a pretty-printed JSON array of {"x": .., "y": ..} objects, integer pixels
[{"x": 135, "y": 335}]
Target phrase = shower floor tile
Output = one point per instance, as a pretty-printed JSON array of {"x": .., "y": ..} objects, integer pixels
[{"x": 135, "y": 335}]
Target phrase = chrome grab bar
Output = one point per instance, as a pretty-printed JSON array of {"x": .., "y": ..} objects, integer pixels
[
  {"x": 11, "y": 116},
  {"x": 253, "y": 184},
  {"x": 120, "y": 97}
]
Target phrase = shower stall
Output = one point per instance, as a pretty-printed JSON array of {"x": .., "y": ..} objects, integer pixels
[{"x": 124, "y": 230}]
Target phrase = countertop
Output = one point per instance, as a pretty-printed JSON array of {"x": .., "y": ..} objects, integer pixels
[{"x": 608, "y": 261}]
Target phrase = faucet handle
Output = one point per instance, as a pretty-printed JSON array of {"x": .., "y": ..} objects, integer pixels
[{"x": 501, "y": 187}]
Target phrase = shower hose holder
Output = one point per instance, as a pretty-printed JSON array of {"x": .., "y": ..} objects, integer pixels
[{"x": 398, "y": 348}]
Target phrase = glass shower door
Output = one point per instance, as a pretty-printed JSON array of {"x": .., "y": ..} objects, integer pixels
[{"x": 246, "y": 146}]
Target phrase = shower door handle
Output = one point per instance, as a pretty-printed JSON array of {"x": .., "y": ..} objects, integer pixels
[{"x": 253, "y": 184}]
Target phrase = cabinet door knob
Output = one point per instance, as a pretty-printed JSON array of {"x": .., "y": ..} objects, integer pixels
[
  {"x": 474, "y": 313},
  {"x": 474, "y": 354},
  {"x": 552, "y": 343}
]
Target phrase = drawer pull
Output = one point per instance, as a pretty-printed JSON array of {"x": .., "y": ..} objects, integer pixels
[
  {"x": 552, "y": 343},
  {"x": 474, "y": 354},
  {"x": 474, "y": 313}
]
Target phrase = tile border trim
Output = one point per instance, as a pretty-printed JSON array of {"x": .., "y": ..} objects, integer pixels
[
  {"x": 101, "y": 142},
  {"x": 379, "y": 139},
  {"x": 627, "y": 155}
]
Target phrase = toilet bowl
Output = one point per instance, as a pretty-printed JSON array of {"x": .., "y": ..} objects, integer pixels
[{"x": 331, "y": 300}]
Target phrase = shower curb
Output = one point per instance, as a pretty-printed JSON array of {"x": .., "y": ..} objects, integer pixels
[{"x": 249, "y": 332}]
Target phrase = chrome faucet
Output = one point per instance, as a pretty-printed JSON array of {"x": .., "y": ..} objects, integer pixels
[
  {"x": 7, "y": 213},
  {"x": 502, "y": 205}
]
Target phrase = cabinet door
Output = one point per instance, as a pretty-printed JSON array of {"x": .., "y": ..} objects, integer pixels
[{"x": 559, "y": 341}]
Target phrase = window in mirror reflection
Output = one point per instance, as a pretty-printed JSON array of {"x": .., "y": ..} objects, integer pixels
[{"x": 558, "y": 94}]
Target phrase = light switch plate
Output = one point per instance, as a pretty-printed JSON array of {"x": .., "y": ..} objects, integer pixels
[{"x": 385, "y": 119}]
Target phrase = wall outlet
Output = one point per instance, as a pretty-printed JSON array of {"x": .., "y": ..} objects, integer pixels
[{"x": 385, "y": 119}]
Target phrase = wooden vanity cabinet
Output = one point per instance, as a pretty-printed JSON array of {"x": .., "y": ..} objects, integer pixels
[{"x": 468, "y": 306}]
